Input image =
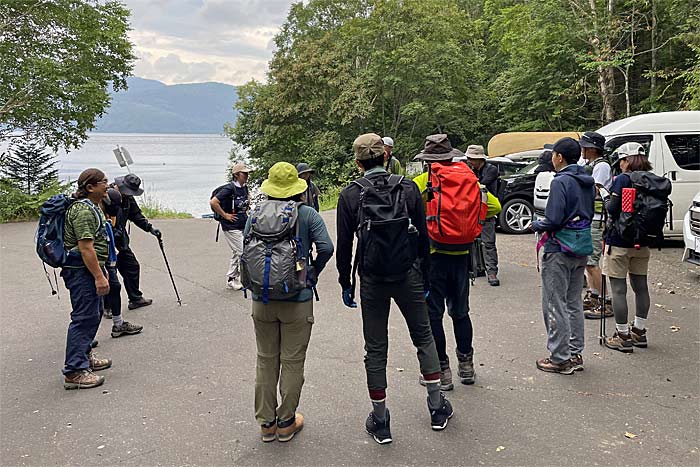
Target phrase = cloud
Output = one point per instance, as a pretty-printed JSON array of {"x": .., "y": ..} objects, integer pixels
[{"x": 182, "y": 41}]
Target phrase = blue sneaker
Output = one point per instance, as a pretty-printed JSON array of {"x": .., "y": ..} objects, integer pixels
[{"x": 380, "y": 431}]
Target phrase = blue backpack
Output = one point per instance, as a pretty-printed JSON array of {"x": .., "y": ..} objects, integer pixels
[{"x": 49, "y": 234}]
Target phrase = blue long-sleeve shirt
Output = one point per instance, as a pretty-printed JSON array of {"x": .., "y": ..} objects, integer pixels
[
  {"x": 312, "y": 231},
  {"x": 571, "y": 197}
]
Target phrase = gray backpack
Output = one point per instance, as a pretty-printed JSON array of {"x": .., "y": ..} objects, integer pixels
[{"x": 273, "y": 264}]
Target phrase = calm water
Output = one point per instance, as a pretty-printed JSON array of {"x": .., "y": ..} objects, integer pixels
[{"x": 180, "y": 171}]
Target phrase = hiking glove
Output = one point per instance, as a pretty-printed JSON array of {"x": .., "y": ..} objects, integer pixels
[
  {"x": 348, "y": 300},
  {"x": 156, "y": 232}
]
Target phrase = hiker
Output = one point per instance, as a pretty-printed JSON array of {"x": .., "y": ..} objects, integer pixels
[
  {"x": 488, "y": 177},
  {"x": 391, "y": 163},
  {"x": 544, "y": 162},
  {"x": 592, "y": 148},
  {"x": 86, "y": 279},
  {"x": 231, "y": 203},
  {"x": 312, "y": 192},
  {"x": 127, "y": 264},
  {"x": 392, "y": 262},
  {"x": 567, "y": 242},
  {"x": 113, "y": 301},
  {"x": 283, "y": 312},
  {"x": 449, "y": 263},
  {"x": 630, "y": 257}
]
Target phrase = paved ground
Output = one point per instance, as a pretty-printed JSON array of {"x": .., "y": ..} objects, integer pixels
[{"x": 181, "y": 393}]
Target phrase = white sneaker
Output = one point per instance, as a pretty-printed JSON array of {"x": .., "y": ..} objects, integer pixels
[{"x": 234, "y": 284}]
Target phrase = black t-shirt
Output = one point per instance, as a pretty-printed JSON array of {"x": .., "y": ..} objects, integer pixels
[{"x": 234, "y": 199}]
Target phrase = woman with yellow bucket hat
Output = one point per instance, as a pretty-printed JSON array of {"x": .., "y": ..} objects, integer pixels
[{"x": 282, "y": 317}]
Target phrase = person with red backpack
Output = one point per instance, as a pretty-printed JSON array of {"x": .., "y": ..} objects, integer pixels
[
  {"x": 386, "y": 213},
  {"x": 456, "y": 209}
]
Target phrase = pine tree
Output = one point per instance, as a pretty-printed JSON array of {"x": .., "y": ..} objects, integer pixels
[{"x": 28, "y": 166}]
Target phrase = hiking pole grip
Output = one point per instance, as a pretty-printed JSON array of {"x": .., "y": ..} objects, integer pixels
[{"x": 170, "y": 273}]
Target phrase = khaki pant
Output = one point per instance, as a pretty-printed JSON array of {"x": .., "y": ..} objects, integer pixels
[
  {"x": 234, "y": 238},
  {"x": 622, "y": 261},
  {"x": 282, "y": 333}
]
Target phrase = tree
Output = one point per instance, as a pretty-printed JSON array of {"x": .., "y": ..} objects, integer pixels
[
  {"x": 29, "y": 166},
  {"x": 57, "y": 60}
]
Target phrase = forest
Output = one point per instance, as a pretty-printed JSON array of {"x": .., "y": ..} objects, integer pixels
[{"x": 468, "y": 68}]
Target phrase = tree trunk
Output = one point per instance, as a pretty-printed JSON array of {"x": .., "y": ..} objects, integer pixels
[
  {"x": 606, "y": 78},
  {"x": 652, "y": 90}
]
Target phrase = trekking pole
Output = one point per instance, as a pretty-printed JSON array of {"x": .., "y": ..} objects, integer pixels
[
  {"x": 604, "y": 304},
  {"x": 162, "y": 250}
]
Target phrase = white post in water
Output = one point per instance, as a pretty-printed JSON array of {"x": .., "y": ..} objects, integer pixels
[{"x": 123, "y": 157}]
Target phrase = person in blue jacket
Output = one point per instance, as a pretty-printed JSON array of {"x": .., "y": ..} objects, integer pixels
[{"x": 566, "y": 238}]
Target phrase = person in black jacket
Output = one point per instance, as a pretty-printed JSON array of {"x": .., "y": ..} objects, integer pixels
[
  {"x": 488, "y": 177},
  {"x": 127, "y": 264},
  {"x": 408, "y": 289}
]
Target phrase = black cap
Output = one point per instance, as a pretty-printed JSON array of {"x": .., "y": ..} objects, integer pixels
[
  {"x": 129, "y": 184},
  {"x": 569, "y": 149},
  {"x": 591, "y": 139}
]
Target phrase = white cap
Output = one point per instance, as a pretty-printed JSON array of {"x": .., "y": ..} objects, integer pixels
[
  {"x": 630, "y": 149},
  {"x": 388, "y": 141}
]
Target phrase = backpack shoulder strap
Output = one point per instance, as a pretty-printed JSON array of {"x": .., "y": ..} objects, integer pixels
[
  {"x": 363, "y": 183},
  {"x": 395, "y": 179}
]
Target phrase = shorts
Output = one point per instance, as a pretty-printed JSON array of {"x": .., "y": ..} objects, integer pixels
[
  {"x": 622, "y": 261},
  {"x": 597, "y": 237}
]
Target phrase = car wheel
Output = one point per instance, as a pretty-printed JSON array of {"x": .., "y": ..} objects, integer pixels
[{"x": 516, "y": 216}]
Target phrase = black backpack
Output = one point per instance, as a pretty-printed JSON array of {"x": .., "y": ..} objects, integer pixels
[
  {"x": 645, "y": 224},
  {"x": 387, "y": 241},
  {"x": 226, "y": 205}
]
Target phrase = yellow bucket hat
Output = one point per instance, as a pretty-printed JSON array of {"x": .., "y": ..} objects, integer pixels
[{"x": 283, "y": 181}]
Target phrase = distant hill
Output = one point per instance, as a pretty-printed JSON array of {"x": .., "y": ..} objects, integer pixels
[{"x": 149, "y": 106}]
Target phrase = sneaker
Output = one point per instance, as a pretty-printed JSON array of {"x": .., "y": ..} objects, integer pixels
[
  {"x": 493, "y": 280},
  {"x": 126, "y": 328},
  {"x": 286, "y": 430},
  {"x": 639, "y": 337},
  {"x": 564, "y": 368},
  {"x": 268, "y": 432},
  {"x": 97, "y": 363},
  {"x": 107, "y": 314},
  {"x": 619, "y": 341},
  {"x": 440, "y": 416},
  {"x": 590, "y": 301},
  {"x": 380, "y": 431},
  {"x": 84, "y": 379},
  {"x": 465, "y": 370},
  {"x": 234, "y": 284},
  {"x": 577, "y": 361},
  {"x": 445, "y": 377},
  {"x": 141, "y": 302},
  {"x": 595, "y": 312}
]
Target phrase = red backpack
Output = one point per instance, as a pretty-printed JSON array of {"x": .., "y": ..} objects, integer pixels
[{"x": 456, "y": 206}]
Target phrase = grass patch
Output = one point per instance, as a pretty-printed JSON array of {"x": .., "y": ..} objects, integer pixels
[
  {"x": 154, "y": 209},
  {"x": 329, "y": 199}
]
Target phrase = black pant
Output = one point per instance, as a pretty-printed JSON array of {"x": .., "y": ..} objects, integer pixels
[
  {"x": 375, "y": 301},
  {"x": 129, "y": 268},
  {"x": 449, "y": 283},
  {"x": 113, "y": 300}
]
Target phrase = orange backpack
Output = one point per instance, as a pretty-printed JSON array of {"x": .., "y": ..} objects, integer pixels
[{"x": 456, "y": 206}]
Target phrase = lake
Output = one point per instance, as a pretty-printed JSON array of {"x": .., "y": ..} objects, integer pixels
[{"x": 179, "y": 171}]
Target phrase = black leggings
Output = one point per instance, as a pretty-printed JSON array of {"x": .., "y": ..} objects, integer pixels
[{"x": 618, "y": 288}]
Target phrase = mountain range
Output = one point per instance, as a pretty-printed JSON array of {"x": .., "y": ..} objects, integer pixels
[{"x": 149, "y": 106}]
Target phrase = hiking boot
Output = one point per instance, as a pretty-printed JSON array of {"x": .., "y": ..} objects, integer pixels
[
  {"x": 126, "y": 328},
  {"x": 564, "y": 368},
  {"x": 590, "y": 301},
  {"x": 286, "y": 430},
  {"x": 493, "y": 280},
  {"x": 619, "y": 341},
  {"x": 94, "y": 343},
  {"x": 84, "y": 379},
  {"x": 380, "y": 431},
  {"x": 445, "y": 377},
  {"x": 596, "y": 312},
  {"x": 441, "y": 415},
  {"x": 465, "y": 370},
  {"x": 141, "y": 302},
  {"x": 107, "y": 314},
  {"x": 639, "y": 337},
  {"x": 577, "y": 361},
  {"x": 97, "y": 363},
  {"x": 268, "y": 432},
  {"x": 234, "y": 284}
]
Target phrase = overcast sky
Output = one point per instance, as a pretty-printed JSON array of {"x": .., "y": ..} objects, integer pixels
[{"x": 188, "y": 41}]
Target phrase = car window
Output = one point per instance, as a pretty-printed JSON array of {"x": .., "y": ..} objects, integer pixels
[
  {"x": 613, "y": 143},
  {"x": 529, "y": 168},
  {"x": 510, "y": 169},
  {"x": 685, "y": 150}
]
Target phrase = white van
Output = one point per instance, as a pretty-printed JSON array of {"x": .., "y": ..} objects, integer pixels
[
  {"x": 672, "y": 140},
  {"x": 691, "y": 232}
]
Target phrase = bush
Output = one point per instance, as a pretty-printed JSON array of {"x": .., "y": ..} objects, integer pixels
[
  {"x": 154, "y": 209},
  {"x": 329, "y": 199},
  {"x": 17, "y": 206}
]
